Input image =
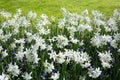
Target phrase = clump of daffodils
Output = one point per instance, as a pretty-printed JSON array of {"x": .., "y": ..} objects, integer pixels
[
  {"x": 36, "y": 47},
  {"x": 106, "y": 59},
  {"x": 27, "y": 76},
  {"x": 14, "y": 69},
  {"x": 94, "y": 73}
]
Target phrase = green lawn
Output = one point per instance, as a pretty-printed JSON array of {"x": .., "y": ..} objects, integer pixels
[{"x": 52, "y": 7}]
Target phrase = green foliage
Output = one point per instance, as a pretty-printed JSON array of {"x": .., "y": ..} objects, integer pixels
[{"x": 52, "y": 7}]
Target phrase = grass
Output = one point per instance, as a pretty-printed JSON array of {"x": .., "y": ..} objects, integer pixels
[{"x": 52, "y": 7}]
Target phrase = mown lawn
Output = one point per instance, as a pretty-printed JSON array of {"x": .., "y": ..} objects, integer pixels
[{"x": 52, "y": 7}]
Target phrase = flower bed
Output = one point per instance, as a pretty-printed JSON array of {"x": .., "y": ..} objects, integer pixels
[{"x": 73, "y": 47}]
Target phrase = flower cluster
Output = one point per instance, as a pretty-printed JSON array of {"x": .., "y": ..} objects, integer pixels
[
  {"x": 106, "y": 59},
  {"x": 75, "y": 46}
]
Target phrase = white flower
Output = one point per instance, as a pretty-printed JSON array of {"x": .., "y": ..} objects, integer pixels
[
  {"x": 69, "y": 54},
  {"x": 13, "y": 45},
  {"x": 27, "y": 76},
  {"x": 85, "y": 12},
  {"x": 82, "y": 78},
  {"x": 106, "y": 59},
  {"x": 118, "y": 50},
  {"x": 19, "y": 11},
  {"x": 4, "y": 77},
  {"x": 106, "y": 64},
  {"x": 53, "y": 55},
  {"x": 44, "y": 16},
  {"x": 60, "y": 58},
  {"x": 79, "y": 57},
  {"x": 75, "y": 41},
  {"x": 61, "y": 23},
  {"x": 112, "y": 24},
  {"x": 5, "y": 14},
  {"x": 7, "y": 36},
  {"x": 96, "y": 41},
  {"x": 71, "y": 30},
  {"x": 117, "y": 37},
  {"x": 30, "y": 37},
  {"x": 61, "y": 41},
  {"x": 87, "y": 19},
  {"x": 48, "y": 66},
  {"x": 1, "y": 31},
  {"x": 32, "y": 15},
  {"x": 97, "y": 14},
  {"x": 55, "y": 76},
  {"x": 105, "y": 39},
  {"x": 107, "y": 29},
  {"x": 42, "y": 22},
  {"x": 99, "y": 41},
  {"x": 53, "y": 18},
  {"x": 49, "y": 47},
  {"x": 94, "y": 73},
  {"x": 14, "y": 69},
  {"x": 83, "y": 27},
  {"x": 64, "y": 11},
  {"x": 72, "y": 19},
  {"x": 22, "y": 21},
  {"x": 21, "y": 47},
  {"x": 81, "y": 43},
  {"x": 22, "y": 40},
  {"x": 20, "y": 55},
  {"x": 15, "y": 30},
  {"x": 40, "y": 42},
  {"x": 98, "y": 22},
  {"x": 4, "y": 53},
  {"x": 35, "y": 58},
  {"x": 31, "y": 55},
  {"x": 43, "y": 31},
  {"x": 116, "y": 14},
  {"x": 114, "y": 43},
  {"x": 84, "y": 59}
]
